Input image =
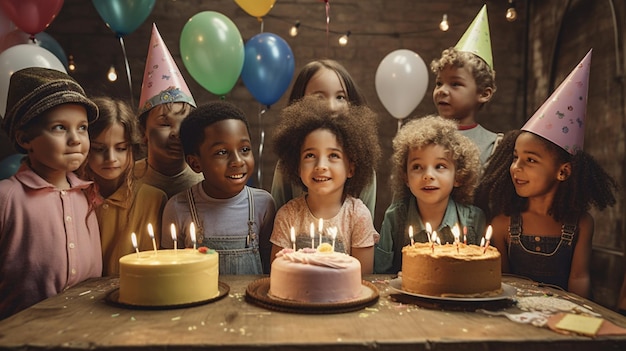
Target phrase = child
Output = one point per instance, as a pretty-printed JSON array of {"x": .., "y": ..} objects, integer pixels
[
  {"x": 435, "y": 172},
  {"x": 329, "y": 81},
  {"x": 165, "y": 102},
  {"x": 49, "y": 237},
  {"x": 332, "y": 155},
  {"x": 541, "y": 226},
  {"x": 229, "y": 216},
  {"x": 465, "y": 82},
  {"x": 128, "y": 206}
]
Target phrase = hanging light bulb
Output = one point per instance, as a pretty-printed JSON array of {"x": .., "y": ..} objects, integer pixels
[
  {"x": 294, "y": 29},
  {"x": 511, "y": 13},
  {"x": 444, "y": 26},
  {"x": 343, "y": 40},
  {"x": 112, "y": 74},
  {"x": 70, "y": 63}
]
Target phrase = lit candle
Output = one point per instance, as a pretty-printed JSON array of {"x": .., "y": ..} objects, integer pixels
[
  {"x": 465, "y": 235},
  {"x": 429, "y": 230},
  {"x": 482, "y": 242},
  {"x": 312, "y": 236},
  {"x": 456, "y": 233},
  {"x": 433, "y": 240},
  {"x": 293, "y": 238},
  {"x": 151, "y": 233},
  {"x": 192, "y": 233},
  {"x": 333, "y": 235},
  {"x": 173, "y": 231},
  {"x": 320, "y": 227},
  {"x": 133, "y": 238},
  {"x": 487, "y": 237},
  {"x": 411, "y": 234}
]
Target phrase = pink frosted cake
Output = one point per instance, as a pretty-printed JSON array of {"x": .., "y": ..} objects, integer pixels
[{"x": 319, "y": 276}]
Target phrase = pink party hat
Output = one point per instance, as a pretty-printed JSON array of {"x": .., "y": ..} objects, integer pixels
[
  {"x": 162, "y": 80},
  {"x": 561, "y": 119},
  {"x": 476, "y": 38}
]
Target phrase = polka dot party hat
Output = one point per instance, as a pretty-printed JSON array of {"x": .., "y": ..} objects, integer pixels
[{"x": 561, "y": 119}]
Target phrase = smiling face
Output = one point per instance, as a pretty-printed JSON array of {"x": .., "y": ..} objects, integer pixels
[
  {"x": 535, "y": 171},
  {"x": 110, "y": 153},
  {"x": 430, "y": 174},
  {"x": 456, "y": 95},
  {"x": 58, "y": 143},
  {"x": 324, "y": 167},
  {"x": 326, "y": 85},
  {"x": 225, "y": 158}
]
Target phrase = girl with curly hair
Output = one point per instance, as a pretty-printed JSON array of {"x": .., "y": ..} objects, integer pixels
[
  {"x": 435, "y": 171},
  {"x": 538, "y": 188},
  {"x": 331, "y": 155}
]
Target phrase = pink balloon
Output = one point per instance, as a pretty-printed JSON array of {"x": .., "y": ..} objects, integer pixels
[{"x": 31, "y": 16}]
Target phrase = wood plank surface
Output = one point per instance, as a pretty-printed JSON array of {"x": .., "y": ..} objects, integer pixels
[{"x": 81, "y": 319}]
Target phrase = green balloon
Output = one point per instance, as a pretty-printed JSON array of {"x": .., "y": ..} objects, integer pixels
[{"x": 212, "y": 51}]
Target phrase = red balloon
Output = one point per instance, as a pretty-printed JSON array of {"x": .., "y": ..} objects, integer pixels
[{"x": 31, "y": 16}]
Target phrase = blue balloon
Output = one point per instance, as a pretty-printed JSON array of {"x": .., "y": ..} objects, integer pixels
[
  {"x": 124, "y": 16},
  {"x": 267, "y": 67},
  {"x": 47, "y": 42},
  {"x": 9, "y": 165}
]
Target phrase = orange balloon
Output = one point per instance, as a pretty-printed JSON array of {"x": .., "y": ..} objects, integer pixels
[{"x": 256, "y": 8}]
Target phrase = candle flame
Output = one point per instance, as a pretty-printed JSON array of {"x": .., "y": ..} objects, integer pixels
[
  {"x": 133, "y": 238},
  {"x": 320, "y": 225},
  {"x": 192, "y": 232},
  {"x": 482, "y": 242},
  {"x": 293, "y": 235},
  {"x": 456, "y": 232},
  {"x": 411, "y": 231},
  {"x": 333, "y": 232},
  {"x": 433, "y": 238},
  {"x": 150, "y": 231},
  {"x": 312, "y": 230},
  {"x": 173, "y": 231},
  {"x": 488, "y": 233},
  {"x": 429, "y": 229}
]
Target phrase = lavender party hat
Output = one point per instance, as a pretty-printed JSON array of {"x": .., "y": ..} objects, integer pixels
[{"x": 561, "y": 119}]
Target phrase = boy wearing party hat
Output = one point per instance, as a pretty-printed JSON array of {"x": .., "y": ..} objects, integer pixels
[
  {"x": 465, "y": 81},
  {"x": 539, "y": 186},
  {"x": 165, "y": 101}
]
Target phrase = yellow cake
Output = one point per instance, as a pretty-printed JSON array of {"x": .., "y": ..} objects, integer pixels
[
  {"x": 168, "y": 277},
  {"x": 444, "y": 272}
]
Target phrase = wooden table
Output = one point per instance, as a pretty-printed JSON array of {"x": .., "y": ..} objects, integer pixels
[{"x": 81, "y": 319}]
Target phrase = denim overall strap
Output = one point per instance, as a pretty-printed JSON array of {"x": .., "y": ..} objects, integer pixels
[
  {"x": 515, "y": 229},
  {"x": 251, "y": 238},
  {"x": 568, "y": 231},
  {"x": 194, "y": 217}
]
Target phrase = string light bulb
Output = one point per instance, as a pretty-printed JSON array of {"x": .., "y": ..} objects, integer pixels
[
  {"x": 294, "y": 29},
  {"x": 511, "y": 13},
  {"x": 343, "y": 40},
  {"x": 70, "y": 63},
  {"x": 444, "y": 26},
  {"x": 112, "y": 74}
]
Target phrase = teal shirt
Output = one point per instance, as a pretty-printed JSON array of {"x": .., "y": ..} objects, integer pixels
[{"x": 394, "y": 234}]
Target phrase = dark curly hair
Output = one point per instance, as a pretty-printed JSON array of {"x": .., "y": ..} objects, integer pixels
[
  {"x": 588, "y": 185},
  {"x": 354, "y": 127},
  {"x": 192, "y": 127},
  {"x": 484, "y": 75}
]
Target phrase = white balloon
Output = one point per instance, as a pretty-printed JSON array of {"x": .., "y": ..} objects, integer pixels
[
  {"x": 401, "y": 82},
  {"x": 22, "y": 56}
]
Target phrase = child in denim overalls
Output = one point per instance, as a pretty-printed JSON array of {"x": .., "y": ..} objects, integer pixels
[
  {"x": 229, "y": 216},
  {"x": 331, "y": 154},
  {"x": 539, "y": 186}
]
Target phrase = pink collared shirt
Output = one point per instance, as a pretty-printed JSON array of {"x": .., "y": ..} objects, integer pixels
[{"x": 49, "y": 239}]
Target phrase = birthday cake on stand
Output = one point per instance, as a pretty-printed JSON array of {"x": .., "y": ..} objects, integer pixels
[
  {"x": 169, "y": 277},
  {"x": 315, "y": 276},
  {"x": 451, "y": 270}
]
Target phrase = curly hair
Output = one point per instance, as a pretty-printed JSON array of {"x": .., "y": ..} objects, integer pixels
[
  {"x": 354, "y": 127},
  {"x": 484, "y": 75},
  {"x": 116, "y": 111},
  {"x": 435, "y": 130},
  {"x": 588, "y": 184},
  {"x": 192, "y": 127},
  {"x": 355, "y": 96}
]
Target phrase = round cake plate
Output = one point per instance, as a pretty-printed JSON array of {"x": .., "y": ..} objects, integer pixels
[
  {"x": 113, "y": 298},
  {"x": 257, "y": 293},
  {"x": 508, "y": 292}
]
